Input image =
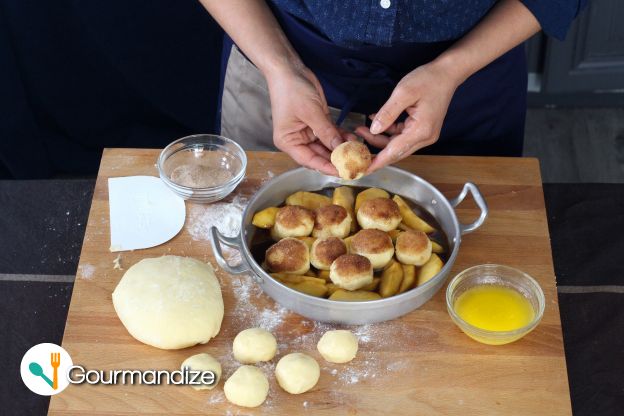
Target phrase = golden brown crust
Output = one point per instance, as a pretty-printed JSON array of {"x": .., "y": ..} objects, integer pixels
[
  {"x": 383, "y": 209},
  {"x": 327, "y": 250},
  {"x": 329, "y": 215},
  {"x": 287, "y": 255},
  {"x": 352, "y": 265},
  {"x": 412, "y": 241},
  {"x": 293, "y": 216},
  {"x": 371, "y": 241}
]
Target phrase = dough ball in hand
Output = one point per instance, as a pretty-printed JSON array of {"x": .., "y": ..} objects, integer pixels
[
  {"x": 247, "y": 387},
  {"x": 413, "y": 247},
  {"x": 351, "y": 271},
  {"x": 375, "y": 245},
  {"x": 297, "y": 373},
  {"x": 203, "y": 362},
  {"x": 254, "y": 345},
  {"x": 331, "y": 221},
  {"x": 351, "y": 159},
  {"x": 292, "y": 221},
  {"x": 338, "y": 346},
  {"x": 325, "y": 250},
  {"x": 379, "y": 213},
  {"x": 288, "y": 255},
  {"x": 170, "y": 302}
]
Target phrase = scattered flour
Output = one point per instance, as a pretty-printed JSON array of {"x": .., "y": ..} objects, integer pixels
[
  {"x": 117, "y": 262},
  {"x": 226, "y": 216},
  {"x": 85, "y": 271}
]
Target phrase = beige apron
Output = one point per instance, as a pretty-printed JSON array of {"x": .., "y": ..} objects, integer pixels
[{"x": 246, "y": 106}]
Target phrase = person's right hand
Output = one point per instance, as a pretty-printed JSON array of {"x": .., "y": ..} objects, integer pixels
[{"x": 302, "y": 126}]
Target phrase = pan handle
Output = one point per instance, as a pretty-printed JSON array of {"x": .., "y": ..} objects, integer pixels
[
  {"x": 476, "y": 195},
  {"x": 219, "y": 239}
]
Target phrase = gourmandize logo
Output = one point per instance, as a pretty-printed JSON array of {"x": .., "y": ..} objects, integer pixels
[{"x": 44, "y": 369}]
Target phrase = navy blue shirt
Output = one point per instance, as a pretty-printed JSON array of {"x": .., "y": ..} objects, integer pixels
[{"x": 351, "y": 23}]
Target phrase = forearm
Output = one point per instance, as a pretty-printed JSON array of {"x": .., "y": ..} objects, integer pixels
[
  {"x": 252, "y": 26},
  {"x": 508, "y": 24}
]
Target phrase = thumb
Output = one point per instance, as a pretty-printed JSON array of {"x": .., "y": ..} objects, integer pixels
[
  {"x": 390, "y": 111},
  {"x": 323, "y": 128}
]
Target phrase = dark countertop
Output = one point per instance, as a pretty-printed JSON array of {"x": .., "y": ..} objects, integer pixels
[{"x": 42, "y": 225}]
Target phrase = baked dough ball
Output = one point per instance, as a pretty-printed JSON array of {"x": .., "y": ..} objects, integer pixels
[
  {"x": 203, "y": 362},
  {"x": 254, "y": 345},
  {"x": 351, "y": 271},
  {"x": 297, "y": 373},
  {"x": 170, "y": 302},
  {"x": 292, "y": 221},
  {"x": 331, "y": 221},
  {"x": 380, "y": 213},
  {"x": 351, "y": 159},
  {"x": 288, "y": 255},
  {"x": 375, "y": 245},
  {"x": 413, "y": 247},
  {"x": 338, "y": 346},
  {"x": 247, "y": 387},
  {"x": 325, "y": 250}
]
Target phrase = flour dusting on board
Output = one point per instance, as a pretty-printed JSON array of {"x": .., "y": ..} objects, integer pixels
[{"x": 226, "y": 216}]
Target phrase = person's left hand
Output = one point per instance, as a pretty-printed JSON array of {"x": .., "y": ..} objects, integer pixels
[{"x": 424, "y": 94}]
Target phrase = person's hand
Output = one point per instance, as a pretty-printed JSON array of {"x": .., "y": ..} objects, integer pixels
[
  {"x": 424, "y": 94},
  {"x": 302, "y": 126}
]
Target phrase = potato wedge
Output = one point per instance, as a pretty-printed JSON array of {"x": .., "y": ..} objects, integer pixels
[
  {"x": 345, "y": 197},
  {"x": 309, "y": 288},
  {"x": 369, "y": 193},
  {"x": 409, "y": 277},
  {"x": 436, "y": 247},
  {"x": 410, "y": 218},
  {"x": 308, "y": 240},
  {"x": 372, "y": 286},
  {"x": 309, "y": 200},
  {"x": 347, "y": 242},
  {"x": 265, "y": 218},
  {"x": 323, "y": 274},
  {"x": 429, "y": 269},
  {"x": 310, "y": 273},
  {"x": 391, "y": 279},
  {"x": 394, "y": 234},
  {"x": 354, "y": 296}
]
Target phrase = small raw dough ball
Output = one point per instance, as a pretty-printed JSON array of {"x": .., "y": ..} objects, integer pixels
[
  {"x": 331, "y": 221},
  {"x": 254, "y": 345},
  {"x": 203, "y": 362},
  {"x": 288, "y": 255},
  {"x": 292, "y": 221},
  {"x": 170, "y": 302},
  {"x": 351, "y": 159},
  {"x": 380, "y": 213},
  {"x": 325, "y": 250},
  {"x": 338, "y": 346},
  {"x": 375, "y": 245},
  {"x": 413, "y": 247},
  {"x": 351, "y": 271},
  {"x": 297, "y": 373},
  {"x": 247, "y": 387}
]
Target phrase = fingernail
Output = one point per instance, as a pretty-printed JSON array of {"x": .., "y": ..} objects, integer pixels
[
  {"x": 336, "y": 141},
  {"x": 375, "y": 127}
]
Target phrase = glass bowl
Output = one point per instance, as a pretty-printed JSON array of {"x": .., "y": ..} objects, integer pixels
[
  {"x": 494, "y": 274},
  {"x": 203, "y": 167}
]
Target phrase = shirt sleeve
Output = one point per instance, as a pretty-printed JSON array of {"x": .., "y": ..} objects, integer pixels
[{"x": 555, "y": 16}]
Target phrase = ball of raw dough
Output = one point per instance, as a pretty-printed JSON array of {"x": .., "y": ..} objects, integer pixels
[
  {"x": 375, "y": 245},
  {"x": 297, "y": 373},
  {"x": 413, "y": 247},
  {"x": 331, "y": 221},
  {"x": 351, "y": 159},
  {"x": 338, "y": 346},
  {"x": 247, "y": 387},
  {"x": 203, "y": 362},
  {"x": 289, "y": 255},
  {"x": 325, "y": 250},
  {"x": 170, "y": 302},
  {"x": 254, "y": 345},
  {"x": 379, "y": 213},
  {"x": 292, "y": 221}
]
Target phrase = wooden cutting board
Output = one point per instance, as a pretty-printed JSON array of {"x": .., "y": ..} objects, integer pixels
[{"x": 418, "y": 364}]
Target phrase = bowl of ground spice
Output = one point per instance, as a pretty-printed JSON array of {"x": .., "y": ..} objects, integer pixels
[{"x": 203, "y": 167}]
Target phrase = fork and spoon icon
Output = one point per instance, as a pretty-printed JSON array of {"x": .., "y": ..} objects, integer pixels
[{"x": 55, "y": 361}]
